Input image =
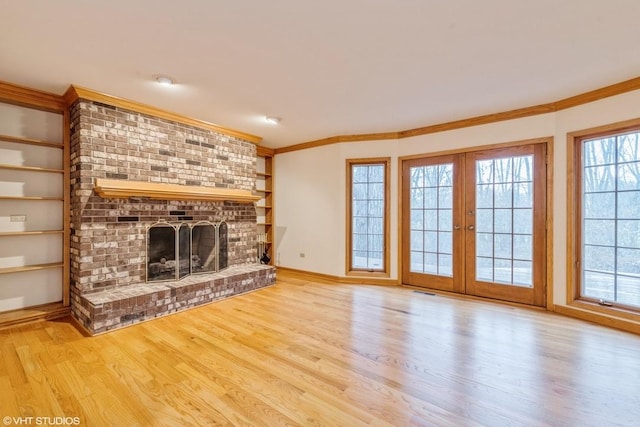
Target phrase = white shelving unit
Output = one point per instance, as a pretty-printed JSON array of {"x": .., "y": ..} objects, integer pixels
[{"x": 32, "y": 204}]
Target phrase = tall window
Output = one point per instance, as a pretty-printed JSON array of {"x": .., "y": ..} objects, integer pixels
[
  {"x": 368, "y": 216},
  {"x": 608, "y": 226}
]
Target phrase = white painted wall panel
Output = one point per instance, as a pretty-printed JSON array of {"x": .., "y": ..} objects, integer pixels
[{"x": 309, "y": 191}]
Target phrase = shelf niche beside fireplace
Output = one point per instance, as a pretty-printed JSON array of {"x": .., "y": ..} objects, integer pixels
[{"x": 177, "y": 250}]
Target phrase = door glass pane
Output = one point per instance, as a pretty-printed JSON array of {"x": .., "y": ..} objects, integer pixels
[
  {"x": 445, "y": 265},
  {"x": 523, "y": 247},
  {"x": 484, "y": 220},
  {"x": 484, "y": 268},
  {"x": 484, "y": 245},
  {"x": 431, "y": 219},
  {"x": 431, "y": 241},
  {"x": 431, "y": 190},
  {"x": 484, "y": 196},
  {"x": 504, "y": 220},
  {"x": 503, "y": 272},
  {"x": 416, "y": 241},
  {"x": 611, "y": 219},
  {"x": 523, "y": 221},
  {"x": 417, "y": 261},
  {"x": 430, "y": 263},
  {"x": 521, "y": 272}
]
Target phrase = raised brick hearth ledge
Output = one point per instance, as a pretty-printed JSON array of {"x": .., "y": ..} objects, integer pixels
[{"x": 107, "y": 310}]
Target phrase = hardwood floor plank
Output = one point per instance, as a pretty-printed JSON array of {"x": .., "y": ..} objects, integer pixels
[
  {"x": 8, "y": 404},
  {"x": 317, "y": 353},
  {"x": 36, "y": 377},
  {"x": 201, "y": 382},
  {"x": 12, "y": 366},
  {"x": 26, "y": 400}
]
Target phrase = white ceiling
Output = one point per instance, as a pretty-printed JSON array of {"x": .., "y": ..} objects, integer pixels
[{"x": 327, "y": 67}]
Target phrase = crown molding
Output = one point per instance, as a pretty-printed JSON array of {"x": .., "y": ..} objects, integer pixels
[
  {"x": 551, "y": 107},
  {"x": 26, "y": 97},
  {"x": 598, "y": 94},
  {"x": 338, "y": 139},
  {"x": 76, "y": 92},
  {"x": 264, "y": 151},
  {"x": 479, "y": 120}
]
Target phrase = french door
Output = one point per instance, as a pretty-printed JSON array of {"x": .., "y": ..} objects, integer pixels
[{"x": 474, "y": 223}]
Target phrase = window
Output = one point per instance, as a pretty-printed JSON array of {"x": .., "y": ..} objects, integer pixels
[
  {"x": 607, "y": 210},
  {"x": 368, "y": 216},
  {"x": 431, "y": 206}
]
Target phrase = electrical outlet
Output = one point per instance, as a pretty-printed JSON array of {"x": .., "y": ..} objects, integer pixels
[
  {"x": 18, "y": 218},
  {"x": 301, "y": 254}
]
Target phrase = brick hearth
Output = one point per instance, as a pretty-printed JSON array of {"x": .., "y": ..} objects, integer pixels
[{"x": 103, "y": 311}]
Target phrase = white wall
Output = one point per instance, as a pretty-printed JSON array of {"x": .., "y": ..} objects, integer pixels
[
  {"x": 310, "y": 213},
  {"x": 310, "y": 184}
]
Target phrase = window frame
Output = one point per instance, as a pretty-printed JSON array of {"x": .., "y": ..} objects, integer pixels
[
  {"x": 575, "y": 221},
  {"x": 350, "y": 270}
]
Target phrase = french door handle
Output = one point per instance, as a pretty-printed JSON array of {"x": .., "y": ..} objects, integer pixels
[
  {"x": 456, "y": 227},
  {"x": 471, "y": 227}
]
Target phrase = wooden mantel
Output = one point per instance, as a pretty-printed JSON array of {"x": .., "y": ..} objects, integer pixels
[{"x": 116, "y": 188}]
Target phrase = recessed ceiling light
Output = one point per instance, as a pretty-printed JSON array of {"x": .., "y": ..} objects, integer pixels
[
  {"x": 164, "y": 80},
  {"x": 273, "y": 120}
]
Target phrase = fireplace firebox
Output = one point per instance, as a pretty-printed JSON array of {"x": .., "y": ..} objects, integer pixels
[{"x": 177, "y": 250}]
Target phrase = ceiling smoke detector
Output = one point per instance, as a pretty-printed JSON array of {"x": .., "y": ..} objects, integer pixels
[{"x": 163, "y": 80}]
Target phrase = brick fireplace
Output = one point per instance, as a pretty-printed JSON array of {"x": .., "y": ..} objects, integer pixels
[{"x": 117, "y": 146}]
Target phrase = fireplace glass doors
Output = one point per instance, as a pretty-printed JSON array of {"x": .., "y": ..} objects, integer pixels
[{"x": 177, "y": 250}]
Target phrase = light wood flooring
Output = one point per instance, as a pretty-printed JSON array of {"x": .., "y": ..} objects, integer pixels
[{"x": 313, "y": 353}]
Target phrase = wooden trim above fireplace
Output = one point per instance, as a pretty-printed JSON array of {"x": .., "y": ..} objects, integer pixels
[
  {"x": 76, "y": 92},
  {"x": 116, "y": 188}
]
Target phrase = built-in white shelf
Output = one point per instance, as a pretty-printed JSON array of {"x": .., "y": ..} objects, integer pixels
[
  {"x": 30, "y": 169},
  {"x": 31, "y": 141},
  {"x": 8, "y": 270},
  {"x": 60, "y": 199},
  {"x": 30, "y": 233}
]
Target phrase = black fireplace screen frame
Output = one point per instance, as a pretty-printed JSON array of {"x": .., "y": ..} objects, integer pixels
[{"x": 176, "y": 250}]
